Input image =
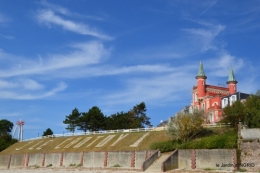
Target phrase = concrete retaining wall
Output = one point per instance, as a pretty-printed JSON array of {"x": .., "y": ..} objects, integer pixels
[
  {"x": 184, "y": 159},
  {"x": 35, "y": 160},
  {"x": 222, "y": 159},
  {"x": 71, "y": 158},
  {"x": 215, "y": 158},
  {"x": 123, "y": 159},
  {"x": 4, "y": 161},
  {"x": 171, "y": 162},
  {"x": 17, "y": 160},
  {"x": 250, "y": 133},
  {"x": 150, "y": 160},
  {"x": 94, "y": 159},
  {"x": 140, "y": 156},
  {"x": 53, "y": 159}
]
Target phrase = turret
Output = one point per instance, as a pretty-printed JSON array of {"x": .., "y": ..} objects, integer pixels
[
  {"x": 232, "y": 82},
  {"x": 201, "y": 82}
]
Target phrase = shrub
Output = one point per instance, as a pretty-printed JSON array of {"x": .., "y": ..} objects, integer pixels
[
  {"x": 116, "y": 165},
  {"x": 164, "y": 146},
  {"x": 224, "y": 141}
]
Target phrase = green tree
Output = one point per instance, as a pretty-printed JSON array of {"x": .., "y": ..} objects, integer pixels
[
  {"x": 234, "y": 113},
  {"x": 120, "y": 120},
  {"x": 6, "y": 139},
  {"x": 247, "y": 112},
  {"x": 84, "y": 122},
  {"x": 97, "y": 119},
  {"x": 135, "y": 118},
  {"x": 72, "y": 120},
  {"x": 138, "y": 118},
  {"x": 5, "y": 127},
  {"x": 185, "y": 126},
  {"x": 47, "y": 132},
  {"x": 252, "y": 112}
]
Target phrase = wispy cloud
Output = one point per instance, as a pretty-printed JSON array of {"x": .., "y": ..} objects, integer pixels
[
  {"x": 211, "y": 4},
  {"x": 49, "y": 18},
  {"x": 154, "y": 88},
  {"x": 31, "y": 84},
  {"x": 108, "y": 70},
  {"x": 65, "y": 11},
  {"x": 204, "y": 37},
  {"x": 81, "y": 55},
  {"x": 25, "y": 95},
  {"x": 223, "y": 62}
]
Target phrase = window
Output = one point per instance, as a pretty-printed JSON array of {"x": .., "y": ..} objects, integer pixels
[
  {"x": 224, "y": 102},
  {"x": 232, "y": 99}
]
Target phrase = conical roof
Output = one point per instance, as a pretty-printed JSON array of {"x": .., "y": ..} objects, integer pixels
[
  {"x": 201, "y": 73},
  {"x": 231, "y": 76}
]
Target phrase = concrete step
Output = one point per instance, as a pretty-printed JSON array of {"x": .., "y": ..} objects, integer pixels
[{"x": 156, "y": 166}]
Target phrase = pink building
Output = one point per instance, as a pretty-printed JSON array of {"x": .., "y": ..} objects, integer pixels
[{"x": 209, "y": 97}]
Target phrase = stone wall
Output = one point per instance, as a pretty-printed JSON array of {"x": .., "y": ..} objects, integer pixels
[
  {"x": 249, "y": 146},
  {"x": 250, "y": 154}
]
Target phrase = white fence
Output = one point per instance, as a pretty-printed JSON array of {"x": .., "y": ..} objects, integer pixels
[
  {"x": 216, "y": 125},
  {"x": 99, "y": 132}
]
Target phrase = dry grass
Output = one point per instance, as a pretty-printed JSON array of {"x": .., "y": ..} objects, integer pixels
[{"x": 123, "y": 145}]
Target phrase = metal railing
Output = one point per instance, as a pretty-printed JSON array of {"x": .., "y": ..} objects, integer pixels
[{"x": 98, "y": 132}]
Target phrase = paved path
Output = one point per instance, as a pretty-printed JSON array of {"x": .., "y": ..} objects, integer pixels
[{"x": 156, "y": 166}]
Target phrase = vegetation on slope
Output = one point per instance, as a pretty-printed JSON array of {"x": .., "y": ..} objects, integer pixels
[
  {"x": 224, "y": 138},
  {"x": 28, "y": 147}
]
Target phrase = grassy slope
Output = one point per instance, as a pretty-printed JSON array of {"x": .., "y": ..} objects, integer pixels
[
  {"x": 218, "y": 138},
  {"x": 123, "y": 145}
]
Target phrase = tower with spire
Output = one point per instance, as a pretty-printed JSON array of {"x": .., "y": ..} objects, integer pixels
[
  {"x": 232, "y": 82},
  {"x": 201, "y": 82}
]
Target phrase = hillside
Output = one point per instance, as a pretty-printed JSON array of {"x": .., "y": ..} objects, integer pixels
[{"x": 97, "y": 142}]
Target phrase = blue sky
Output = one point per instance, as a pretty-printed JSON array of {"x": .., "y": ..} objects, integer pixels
[{"x": 58, "y": 55}]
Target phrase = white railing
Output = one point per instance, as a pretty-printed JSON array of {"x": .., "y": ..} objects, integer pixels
[
  {"x": 216, "y": 125},
  {"x": 98, "y": 132}
]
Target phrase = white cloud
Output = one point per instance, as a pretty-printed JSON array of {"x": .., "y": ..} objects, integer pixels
[
  {"x": 31, "y": 84},
  {"x": 106, "y": 70},
  {"x": 49, "y": 17},
  {"x": 54, "y": 7},
  {"x": 65, "y": 11},
  {"x": 202, "y": 39},
  {"x": 6, "y": 84},
  {"x": 223, "y": 63},
  {"x": 163, "y": 88},
  {"x": 25, "y": 95},
  {"x": 27, "y": 84},
  {"x": 82, "y": 55}
]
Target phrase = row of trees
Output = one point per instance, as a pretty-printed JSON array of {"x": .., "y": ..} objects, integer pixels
[
  {"x": 247, "y": 112},
  {"x": 5, "y": 134},
  {"x": 95, "y": 120}
]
